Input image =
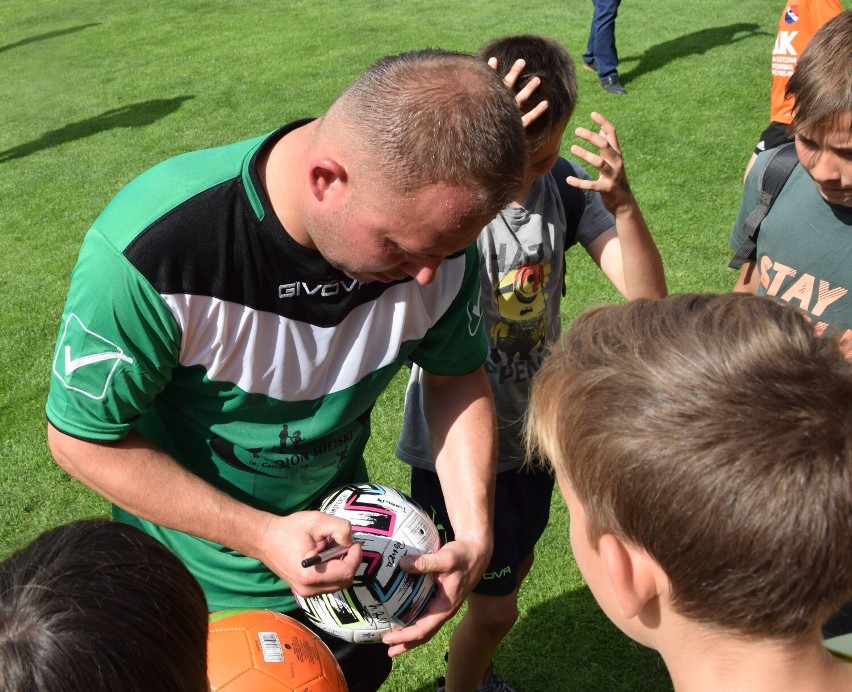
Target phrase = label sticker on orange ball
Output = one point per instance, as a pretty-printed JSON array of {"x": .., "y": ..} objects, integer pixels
[{"x": 264, "y": 651}]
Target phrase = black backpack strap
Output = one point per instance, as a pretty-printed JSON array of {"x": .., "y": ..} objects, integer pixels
[
  {"x": 573, "y": 199},
  {"x": 770, "y": 182},
  {"x": 573, "y": 203}
]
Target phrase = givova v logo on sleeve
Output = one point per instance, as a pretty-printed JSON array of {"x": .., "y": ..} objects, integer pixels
[{"x": 85, "y": 362}]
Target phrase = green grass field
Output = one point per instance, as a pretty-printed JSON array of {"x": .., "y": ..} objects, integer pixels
[{"x": 95, "y": 92}]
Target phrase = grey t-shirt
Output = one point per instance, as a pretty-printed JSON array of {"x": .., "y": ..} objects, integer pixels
[
  {"x": 803, "y": 250},
  {"x": 522, "y": 254}
]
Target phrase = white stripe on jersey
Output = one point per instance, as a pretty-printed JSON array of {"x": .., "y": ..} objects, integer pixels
[{"x": 265, "y": 353}]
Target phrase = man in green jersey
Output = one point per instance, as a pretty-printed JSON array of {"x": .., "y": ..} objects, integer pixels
[{"x": 235, "y": 313}]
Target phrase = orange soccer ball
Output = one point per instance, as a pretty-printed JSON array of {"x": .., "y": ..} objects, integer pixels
[{"x": 263, "y": 651}]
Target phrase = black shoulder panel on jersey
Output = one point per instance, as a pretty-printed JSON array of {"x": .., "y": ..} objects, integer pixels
[{"x": 213, "y": 244}]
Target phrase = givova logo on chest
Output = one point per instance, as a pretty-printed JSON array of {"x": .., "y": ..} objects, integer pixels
[{"x": 322, "y": 290}]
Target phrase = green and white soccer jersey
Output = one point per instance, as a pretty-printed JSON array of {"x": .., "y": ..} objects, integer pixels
[{"x": 195, "y": 319}]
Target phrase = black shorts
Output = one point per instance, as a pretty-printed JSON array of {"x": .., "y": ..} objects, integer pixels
[
  {"x": 521, "y": 512},
  {"x": 365, "y": 666},
  {"x": 773, "y": 136}
]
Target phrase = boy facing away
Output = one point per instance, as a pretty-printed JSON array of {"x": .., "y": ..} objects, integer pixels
[
  {"x": 703, "y": 445},
  {"x": 522, "y": 254}
]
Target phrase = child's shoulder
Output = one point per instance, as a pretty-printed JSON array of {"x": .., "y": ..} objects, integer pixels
[
  {"x": 563, "y": 168},
  {"x": 840, "y": 646}
]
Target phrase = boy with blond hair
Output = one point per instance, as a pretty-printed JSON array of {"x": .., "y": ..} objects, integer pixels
[{"x": 703, "y": 445}]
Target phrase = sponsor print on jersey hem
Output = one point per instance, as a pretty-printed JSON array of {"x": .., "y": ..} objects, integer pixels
[
  {"x": 292, "y": 454},
  {"x": 230, "y": 454},
  {"x": 85, "y": 362}
]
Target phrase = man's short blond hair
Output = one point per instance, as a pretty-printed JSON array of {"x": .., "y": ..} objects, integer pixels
[{"x": 434, "y": 116}]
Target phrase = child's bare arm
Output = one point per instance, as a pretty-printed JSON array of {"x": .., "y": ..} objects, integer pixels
[{"x": 626, "y": 253}]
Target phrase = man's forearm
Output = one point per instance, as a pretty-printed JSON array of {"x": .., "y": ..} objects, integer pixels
[
  {"x": 142, "y": 479},
  {"x": 462, "y": 429},
  {"x": 147, "y": 482}
]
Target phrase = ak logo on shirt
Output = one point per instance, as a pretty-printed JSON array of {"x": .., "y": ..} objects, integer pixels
[{"x": 85, "y": 362}]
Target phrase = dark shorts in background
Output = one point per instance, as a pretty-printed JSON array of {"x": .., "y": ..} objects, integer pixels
[
  {"x": 365, "y": 666},
  {"x": 773, "y": 136},
  {"x": 521, "y": 512}
]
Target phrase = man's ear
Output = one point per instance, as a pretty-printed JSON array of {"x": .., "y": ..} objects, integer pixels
[
  {"x": 634, "y": 575},
  {"x": 328, "y": 177}
]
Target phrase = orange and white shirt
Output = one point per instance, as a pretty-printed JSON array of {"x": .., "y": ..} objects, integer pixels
[{"x": 799, "y": 22}]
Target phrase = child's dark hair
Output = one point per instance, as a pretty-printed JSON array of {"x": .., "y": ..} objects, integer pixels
[
  {"x": 548, "y": 60},
  {"x": 100, "y": 606}
]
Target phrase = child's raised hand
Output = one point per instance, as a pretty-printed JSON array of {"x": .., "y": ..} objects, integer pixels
[
  {"x": 525, "y": 92},
  {"x": 612, "y": 183}
]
